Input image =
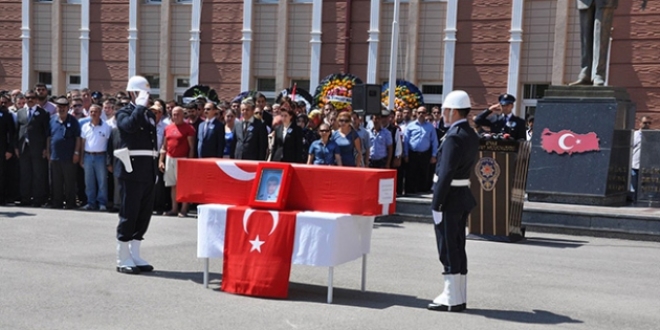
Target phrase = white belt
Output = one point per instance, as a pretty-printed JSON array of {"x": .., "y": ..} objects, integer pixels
[
  {"x": 460, "y": 183},
  {"x": 150, "y": 153}
]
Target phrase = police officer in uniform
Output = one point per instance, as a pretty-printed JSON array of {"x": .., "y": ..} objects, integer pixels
[
  {"x": 453, "y": 200},
  {"x": 503, "y": 120},
  {"x": 136, "y": 168}
]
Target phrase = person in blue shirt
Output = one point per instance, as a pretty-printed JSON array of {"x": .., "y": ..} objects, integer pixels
[
  {"x": 324, "y": 151},
  {"x": 419, "y": 151},
  {"x": 348, "y": 141},
  {"x": 380, "y": 140},
  {"x": 64, "y": 152}
]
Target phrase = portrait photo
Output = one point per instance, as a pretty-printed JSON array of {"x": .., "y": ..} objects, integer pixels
[{"x": 269, "y": 185}]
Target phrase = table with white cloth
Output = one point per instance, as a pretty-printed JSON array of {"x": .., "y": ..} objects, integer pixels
[{"x": 322, "y": 239}]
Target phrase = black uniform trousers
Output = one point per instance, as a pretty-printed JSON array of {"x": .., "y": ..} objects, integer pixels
[
  {"x": 63, "y": 178},
  {"x": 34, "y": 178},
  {"x": 450, "y": 238},
  {"x": 137, "y": 202},
  {"x": 12, "y": 180},
  {"x": 417, "y": 173},
  {"x": 3, "y": 176}
]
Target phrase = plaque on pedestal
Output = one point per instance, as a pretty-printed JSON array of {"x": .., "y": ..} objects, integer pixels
[
  {"x": 581, "y": 146},
  {"x": 648, "y": 188}
]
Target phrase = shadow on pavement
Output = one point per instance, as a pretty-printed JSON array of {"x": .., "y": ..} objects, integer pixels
[
  {"x": 345, "y": 297},
  {"x": 387, "y": 225},
  {"x": 15, "y": 214},
  {"x": 536, "y": 316},
  {"x": 197, "y": 277},
  {"x": 551, "y": 242}
]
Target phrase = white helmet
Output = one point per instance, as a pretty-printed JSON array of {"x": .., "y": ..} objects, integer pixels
[
  {"x": 138, "y": 83},
  {"x": 457, "y": 100}
]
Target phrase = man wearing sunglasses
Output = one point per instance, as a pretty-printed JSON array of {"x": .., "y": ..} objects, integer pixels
[
  {"x": 211, "y": 134},
  {"x": 33, "y": 131},
  {"x": 645, "y": 123},
  {"x": 7, "y": 130}
]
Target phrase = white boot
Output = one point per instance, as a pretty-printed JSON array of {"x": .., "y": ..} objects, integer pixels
[
  {"x": 142, "y": 264},
  {"x": 451, "y": 296},
  {"x": 125, "y": 263},
  {"x": 463, "y": 287}
]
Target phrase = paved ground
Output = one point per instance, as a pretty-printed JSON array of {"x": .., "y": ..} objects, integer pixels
[{"x": 57, "y": 272}]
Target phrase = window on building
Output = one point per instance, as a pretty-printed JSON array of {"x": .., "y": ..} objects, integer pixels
[
  {"x": 46, "y": 78},
  {"x": 154, "y": 83},
  {"x": 302, "y": 83},
  {"x": 182, "y": 84},
  {"x": 267, "y": 87},
  {"x": 157, "y": 2},
  {"x": 43, "y": 0},
  {"x": 531, "y": 94},
  {"x": 267, "y": 1},
  {"x": 184, "y": 1},
  {"x": 302, "y": 1},
  {"x": 432, "y": 94},
  {"x": 73, "y": 81}
]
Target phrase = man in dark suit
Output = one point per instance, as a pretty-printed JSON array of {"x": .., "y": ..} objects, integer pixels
[
  {"x": 33, "y": 131},
  {"x": 503, "y": 120},
  {"x": 250, "y": 135},
  {"x": 210, "y": 134},
  {"x": 453, "y": 200},
  {"x": 7, "y": 131},
  {"x": 288, "y": 139},
  {"x": 136, "y": 168}
]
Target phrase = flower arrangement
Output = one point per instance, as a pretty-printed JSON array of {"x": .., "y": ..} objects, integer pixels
[
  {"x": 300, "y": 95},
  {"x": 243, "y": 95},
  {"x": 206, "y": 92},
  {"x": 336, "y": 89},
  {"x": 405, "y": 94}
]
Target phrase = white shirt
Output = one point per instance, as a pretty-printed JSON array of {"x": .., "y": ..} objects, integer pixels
[
  {"x": 160, "y": 131},
  {"x": 95, "y": 137},
  {"x": 112, "y": 122},
  {"x": 637, "y": 148}
]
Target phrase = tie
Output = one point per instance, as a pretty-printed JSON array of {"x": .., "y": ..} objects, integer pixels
[
  {"x": 245, "y": 125},
  {"x": 206, "y": 127}
]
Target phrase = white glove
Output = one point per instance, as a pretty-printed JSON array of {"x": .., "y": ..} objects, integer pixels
[
  {"x": 437, "y": 217},
  {"x": 142, "y": 99}
]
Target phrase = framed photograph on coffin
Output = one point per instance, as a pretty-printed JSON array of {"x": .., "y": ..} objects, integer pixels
[{"x": 271, "y": 187}]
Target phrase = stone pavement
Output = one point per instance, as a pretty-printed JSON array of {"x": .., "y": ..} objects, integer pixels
[{"x": 57, "y": 272}]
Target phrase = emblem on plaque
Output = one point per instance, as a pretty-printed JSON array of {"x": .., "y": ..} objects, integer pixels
[{"x": 488, "y": 171}]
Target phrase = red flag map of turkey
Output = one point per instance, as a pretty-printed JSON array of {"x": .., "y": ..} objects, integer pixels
[
  {"x": 258, "y": 249},
  {"x": 569, "y": 142}
]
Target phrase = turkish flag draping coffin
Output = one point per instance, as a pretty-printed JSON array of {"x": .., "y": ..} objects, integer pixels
[
  {"x": 333, "y": 189},
  {"x": 258, "y": 249}
]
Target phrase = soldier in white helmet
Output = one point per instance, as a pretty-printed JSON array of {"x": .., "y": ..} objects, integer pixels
[
  {"x": 453, "y": 200},
  {"x": 136, "y": 166}
]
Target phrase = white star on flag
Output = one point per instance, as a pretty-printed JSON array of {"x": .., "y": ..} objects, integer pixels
[{"x": 256, "y": 244}]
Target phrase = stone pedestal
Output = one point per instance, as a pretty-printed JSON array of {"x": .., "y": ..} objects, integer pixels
[
  {"x": 648, "y": 186},
  {"x": 571, "y": 174}
]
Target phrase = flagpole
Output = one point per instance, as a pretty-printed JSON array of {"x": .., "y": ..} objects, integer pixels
[{"x": 393, "y": 55}]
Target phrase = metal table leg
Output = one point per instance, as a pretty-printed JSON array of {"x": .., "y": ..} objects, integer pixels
[
  {"x": 330, "y": 273},
  {"x": 206, "y": 272},
  {"x": 364, "y": 273}
]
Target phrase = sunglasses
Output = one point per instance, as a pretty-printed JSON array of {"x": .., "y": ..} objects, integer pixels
[
  {"x": 343, "y": 121},
  {"x": 324, "y": 130},
  {"x": 77, "y": 105},
  {"x": 436, "y": 112},
  {"x": 209, "y": 109},
  {"x": 30, "y": 97},
  {"x": 421, "y": 112},
  {"x": 646, "y": 123}
]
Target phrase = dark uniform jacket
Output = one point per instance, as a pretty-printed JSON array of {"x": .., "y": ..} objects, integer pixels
[
  {"x": 211, "y": 142},
  {"x": 290, "y": 148},
  {"x": 251, "y": 144},
  {"x": 137, "y": 131},
  {"x": 457, "y": 156},
  {"x": 7, "y": 130},
  {"x": 35, "y": 129},
  {"x": 515, "y": 126}
]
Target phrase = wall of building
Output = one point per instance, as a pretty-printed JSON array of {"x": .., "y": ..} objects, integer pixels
[
  {"x": 10, "y": 44},
  {"x": 108, "y": 45}
]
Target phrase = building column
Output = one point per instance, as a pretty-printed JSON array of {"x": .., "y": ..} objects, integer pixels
[
  {"x": 26, "y": 69},
  {"x": 166, "y": 81},
  {"x": 410, "y": 69},
  {"x": 84, "y": 43},
  {"x": 281, "y": 67},
  {"x": 374, "y": 39},
  {"x": 246, "y": 55},
  {"x": 132, "y": 37},
  {"x": 561, "y": 36},
  {"x": 57, "y": 75},
  {"x": 315, "y": 67},
  {"x": 450, "y": 48},
  {"x": 515, "y": 47},
  {"x": 194, "y": 41}
]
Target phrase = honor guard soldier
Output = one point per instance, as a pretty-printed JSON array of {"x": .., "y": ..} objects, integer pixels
[
  {"x": 503, "y": 120},
  {"x": 453, "y": 200},
  {"x": 136, "y": 168}
]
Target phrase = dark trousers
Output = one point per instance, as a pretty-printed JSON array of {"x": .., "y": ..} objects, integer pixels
[
  {"x": 63, "y": 177},
  {"x": 11, "y": 186},
  {"x": 34, "y": 178},
  {"x": 378, "y": 163},
  {"x": 80, "y": 179},
  {"x": 111, "y": 190},
  {"x": 400, "y": 176},
  {"x": 417, "y": 172},
  {"x": 137, "y": 202},
  {"x": 162, "y": 195},
  {"x": 3, "y": 181},
  {"x": 634, "y": 181},
  {"x": 450, "y": 238}
]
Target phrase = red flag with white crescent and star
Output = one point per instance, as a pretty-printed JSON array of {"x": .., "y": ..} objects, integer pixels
[
  {"x": 258, "y": 250},
  {"x": 566, "y": 141}
]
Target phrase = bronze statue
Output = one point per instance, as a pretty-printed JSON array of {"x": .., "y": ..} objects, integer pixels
[{"x": 595, "y": 29}]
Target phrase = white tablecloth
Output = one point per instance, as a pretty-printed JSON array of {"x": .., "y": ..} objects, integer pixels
[{"x": 322, "y": 239}]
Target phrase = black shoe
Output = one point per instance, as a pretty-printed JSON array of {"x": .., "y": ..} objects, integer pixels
[
  {"x": 444, "y": 308},
  {"x": 146, "y": 268},
  {"x": 128, "y": 270}
]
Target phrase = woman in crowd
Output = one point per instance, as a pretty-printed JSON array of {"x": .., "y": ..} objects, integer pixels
[
  {"x": 230, "y": 120},
  {"x": 348, "y": 141},
  {"x": 324, "y": 151},
  {"x": 288, "y": 137}
]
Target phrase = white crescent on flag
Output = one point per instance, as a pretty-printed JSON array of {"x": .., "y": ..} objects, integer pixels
[
  {"x": 246, "y": 219},
  {"x": 235, "y": 172}
]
